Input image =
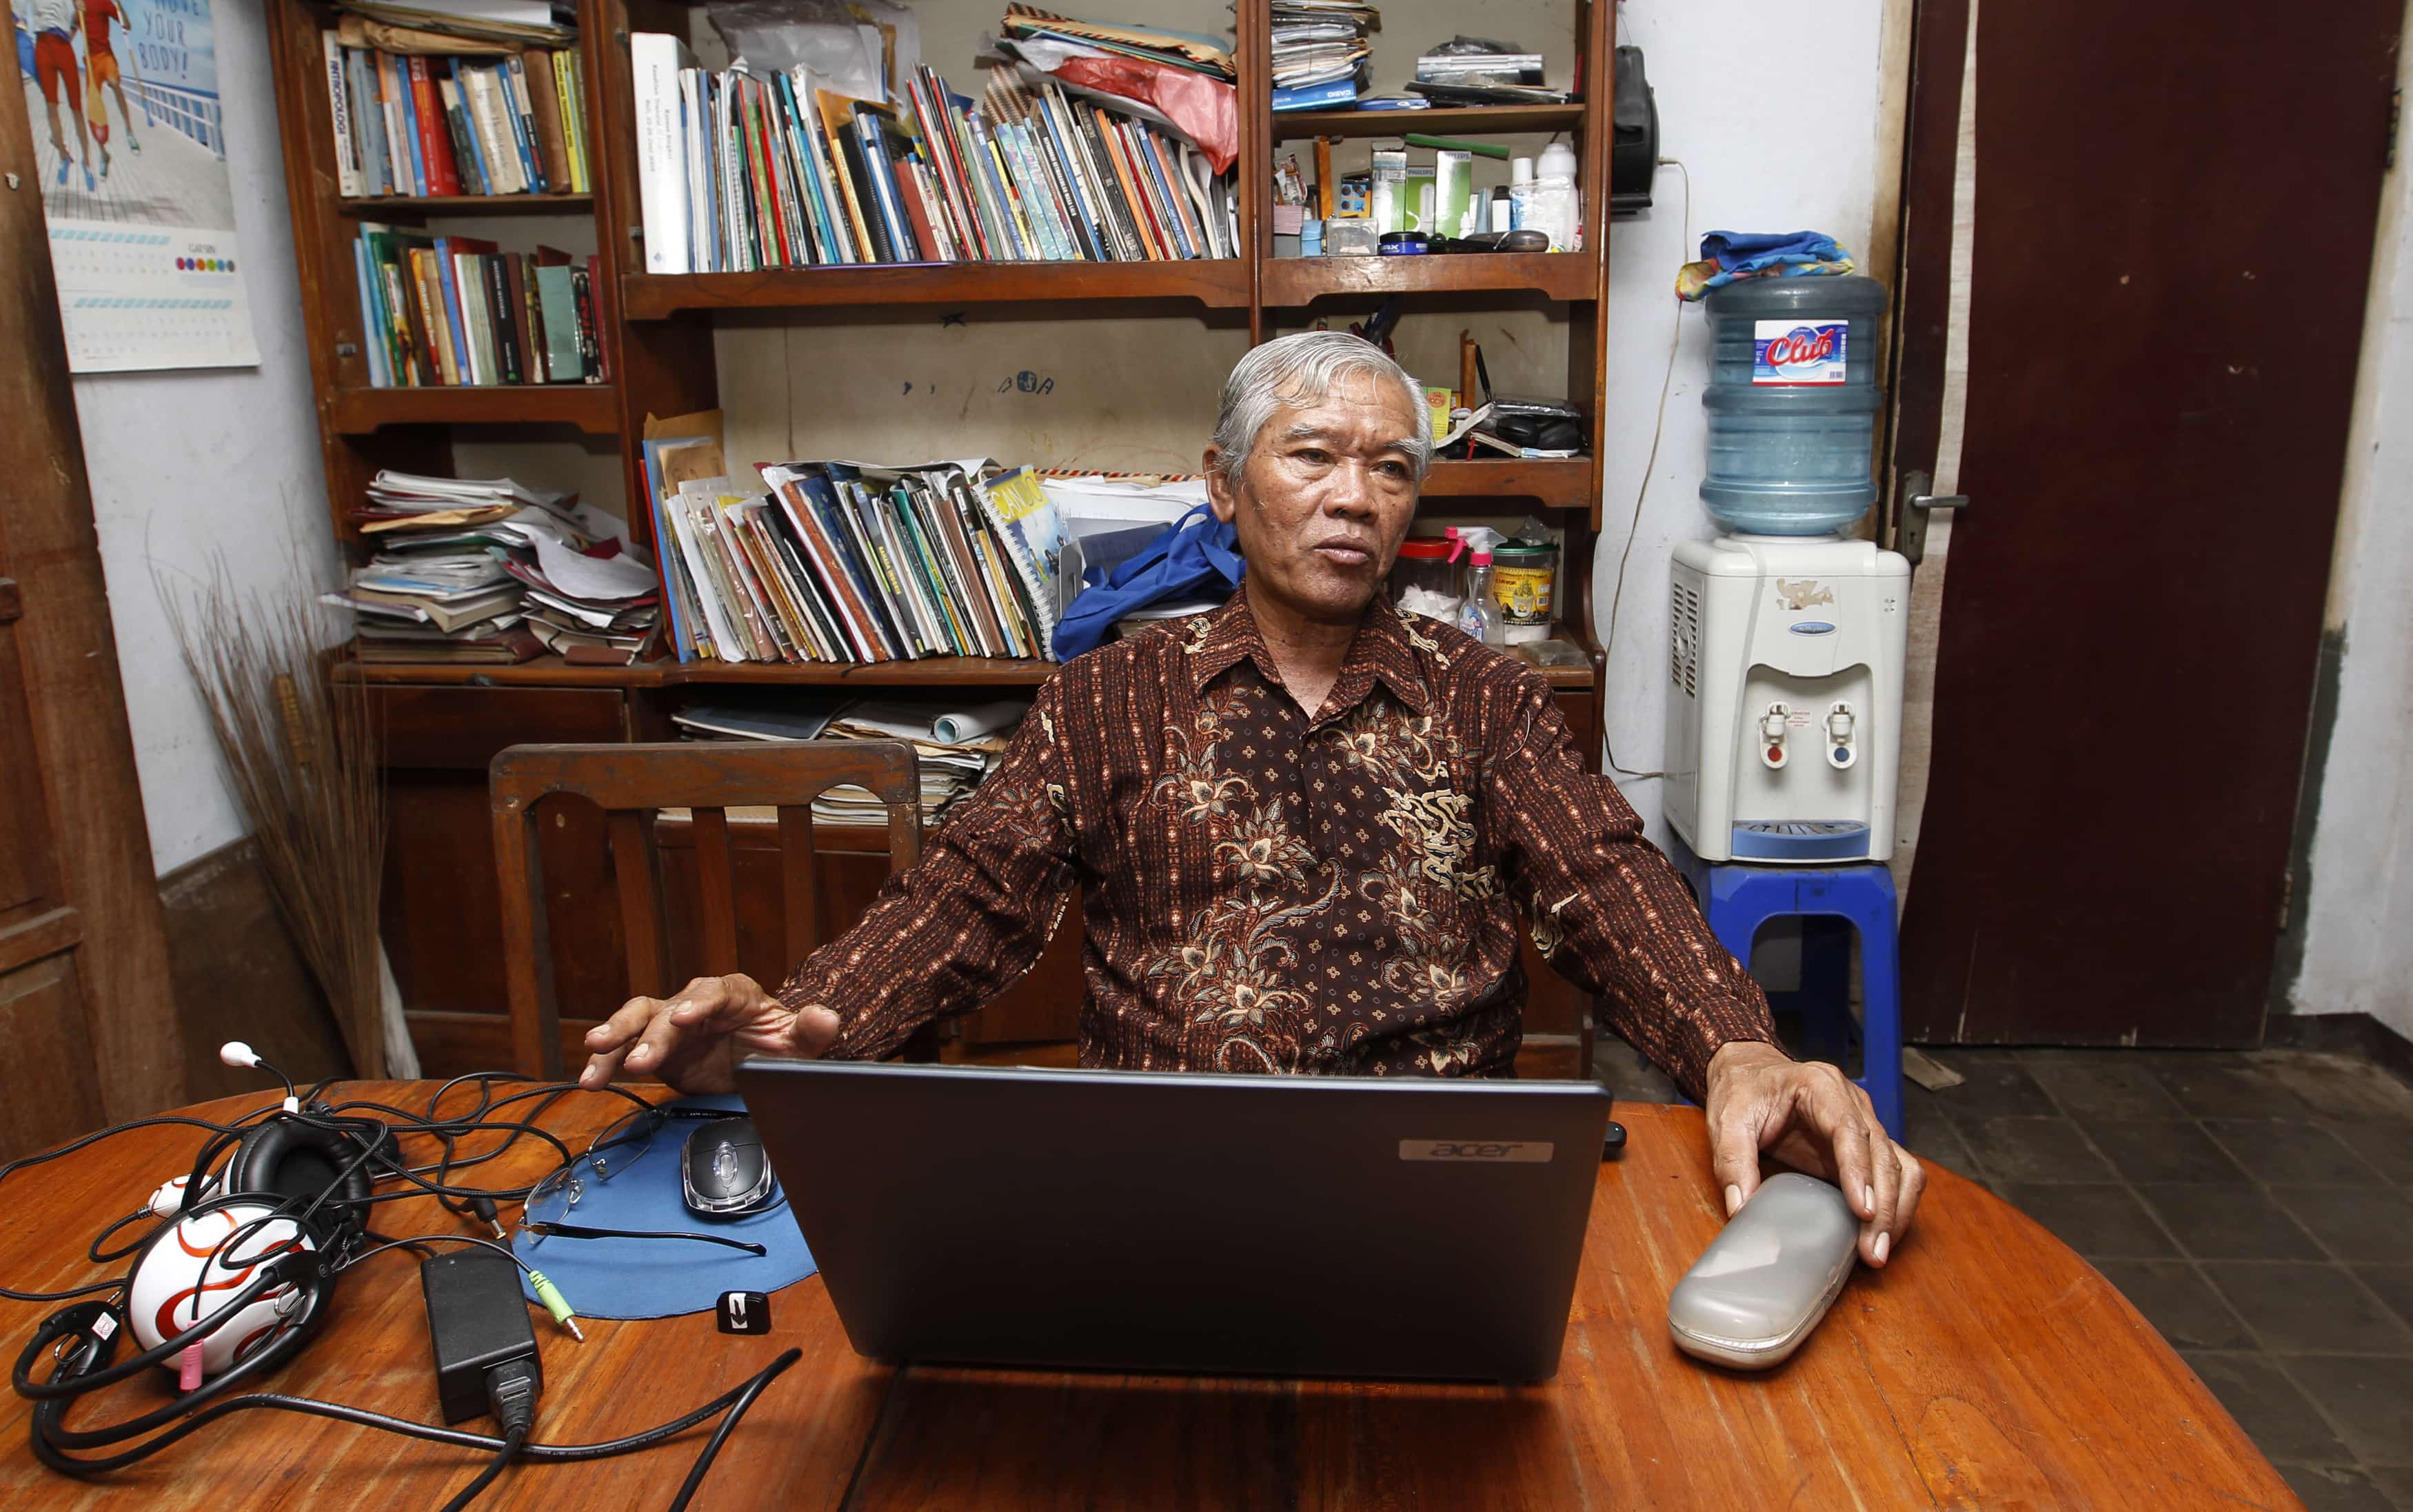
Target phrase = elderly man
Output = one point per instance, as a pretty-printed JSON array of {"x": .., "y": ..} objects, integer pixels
[{"x": 1305, "y": 829}]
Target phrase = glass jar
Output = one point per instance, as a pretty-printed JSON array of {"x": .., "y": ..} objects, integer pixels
[
  {"x": 1522, "y": 574},
  {"x": 1423, "y": 581}
]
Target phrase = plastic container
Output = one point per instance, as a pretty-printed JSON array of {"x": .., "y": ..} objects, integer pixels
[
  {"x": 1423, "y": 581},
  {"x": 1554, "y": 206},
  {"x": 1522, "y": 574},
  {"x": 1479, "y": 615},
  {"x": 1792, "y": 404},
  {"x": 1521, "y": 192}
]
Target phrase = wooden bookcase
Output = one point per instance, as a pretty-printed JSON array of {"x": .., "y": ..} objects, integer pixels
[{"x": 443, "y": 722}]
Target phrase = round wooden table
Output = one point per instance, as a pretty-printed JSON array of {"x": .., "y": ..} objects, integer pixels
[{"x": 1987, "y": 1367}]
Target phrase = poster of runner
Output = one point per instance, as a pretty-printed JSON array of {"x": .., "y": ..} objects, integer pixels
[{"x": 123, "y": 95}]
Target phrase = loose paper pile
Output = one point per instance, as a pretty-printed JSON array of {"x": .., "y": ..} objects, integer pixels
[
  {"x": 488, "y": 571},
  {"x": 1319, "y": 53},
  {"x": 955, "y": 744}
]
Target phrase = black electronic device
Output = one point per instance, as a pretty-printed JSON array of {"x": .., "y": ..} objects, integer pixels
[
  {"x": 723, "y": 1171},
  {"x": 1154, "y": 1221},
  {"x": 1634, "y": 136},
  {"x": 478, "y": 1324}
]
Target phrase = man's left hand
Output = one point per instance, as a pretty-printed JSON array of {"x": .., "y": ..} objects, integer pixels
[{"x": 1811, "y": 1118}]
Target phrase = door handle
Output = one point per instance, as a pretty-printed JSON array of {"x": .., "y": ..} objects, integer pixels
[
  {"x": 1910, "y": 532},
  {"x": 11, "y": 605}
]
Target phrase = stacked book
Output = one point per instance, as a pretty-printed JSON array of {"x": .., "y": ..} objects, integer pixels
[
  {"x": 848, "y": 562},
  {"x": 954, "y": 747},
  {"x": 738, "y": 172},
  {"x": 457, "y": 309},
  {"x": 1320, "y": 49},
  {"x": 955, "y": 744},
  {"x": 487, "y": 570},
  {"x": 439, "y": 127},
  {"x": 1469, "y": 70}
]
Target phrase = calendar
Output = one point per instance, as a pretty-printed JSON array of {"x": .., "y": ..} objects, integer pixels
[
  {"x": 130, "y": 151},
  {"x": 140, "y": 297}
]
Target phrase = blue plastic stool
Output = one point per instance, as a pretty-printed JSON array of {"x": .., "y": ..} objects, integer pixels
[{"x": 1738, "y": 899}]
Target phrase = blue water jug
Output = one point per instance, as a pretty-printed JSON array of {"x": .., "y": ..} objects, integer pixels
[{"x": 1792, "y": 404}]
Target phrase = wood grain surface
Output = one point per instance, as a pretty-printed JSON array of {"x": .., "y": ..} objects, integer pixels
[{"x": 1987, "y": 1367}]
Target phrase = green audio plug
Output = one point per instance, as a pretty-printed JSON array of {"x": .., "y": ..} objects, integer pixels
[{"x": 554, "y": 1303}]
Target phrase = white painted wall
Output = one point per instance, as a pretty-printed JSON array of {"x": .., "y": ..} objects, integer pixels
[
  {"x": 2359, "y": 923},
  {"x": 1773, "y": 109},
  {"x": 226, "y": 460}
]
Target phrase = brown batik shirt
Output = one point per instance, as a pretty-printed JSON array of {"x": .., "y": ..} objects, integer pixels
[{"x": 1266, "y": 891}]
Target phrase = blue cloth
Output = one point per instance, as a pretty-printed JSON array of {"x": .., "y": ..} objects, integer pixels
[
  {"x": 1728, "y": 256},
  {"x": 1751, "y": 251},
  {"x": 1196, "y": 554},
  {"x": 664, "y": 1278}
]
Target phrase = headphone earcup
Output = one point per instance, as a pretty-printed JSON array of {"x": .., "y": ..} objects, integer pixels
[{"x": 287, "y": 1157}]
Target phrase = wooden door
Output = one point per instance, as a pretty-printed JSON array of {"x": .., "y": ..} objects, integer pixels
[
  {"x": 85, "y": 1011},
  {"x": 2174, "y": 211}
]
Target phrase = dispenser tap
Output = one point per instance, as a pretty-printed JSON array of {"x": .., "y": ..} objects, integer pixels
[
  {"x": 1841, "y": 751},
  {"x": 1771, "y": 734}
]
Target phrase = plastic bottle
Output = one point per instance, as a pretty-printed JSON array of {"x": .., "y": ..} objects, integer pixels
[
  {"x": 1521, "y": 192},
  {"x": 1550, "y": 204},
  {"x": 1478, "y": 616},
  {"x": 1793, "y": 403}
]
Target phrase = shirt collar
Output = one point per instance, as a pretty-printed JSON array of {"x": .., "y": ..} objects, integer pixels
[{"x": 1381, "y": 651}]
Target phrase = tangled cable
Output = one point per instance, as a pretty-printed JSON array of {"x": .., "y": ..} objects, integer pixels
[{"x": 296, "y": 1186}]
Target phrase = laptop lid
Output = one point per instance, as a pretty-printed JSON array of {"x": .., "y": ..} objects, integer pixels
[{"x": 1158, "y": 1221}]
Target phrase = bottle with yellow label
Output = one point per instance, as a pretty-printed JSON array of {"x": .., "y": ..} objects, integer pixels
[{"x": 1522, "y": 573}]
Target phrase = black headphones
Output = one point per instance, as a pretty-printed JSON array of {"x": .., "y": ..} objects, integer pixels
[{"x": 322, "y": 1168}]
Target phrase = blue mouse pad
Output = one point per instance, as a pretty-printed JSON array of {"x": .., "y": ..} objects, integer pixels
[{"x": 664, "y": 1278}]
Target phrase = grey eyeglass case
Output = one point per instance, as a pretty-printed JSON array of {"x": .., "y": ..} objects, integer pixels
[{"x": 1768, "y": 1276}]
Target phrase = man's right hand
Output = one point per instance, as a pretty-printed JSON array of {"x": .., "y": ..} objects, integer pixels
[{"x": 694, "y": 1038}]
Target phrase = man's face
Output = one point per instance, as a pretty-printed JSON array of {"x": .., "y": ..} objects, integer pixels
[{"x": 1325, "y": 498}]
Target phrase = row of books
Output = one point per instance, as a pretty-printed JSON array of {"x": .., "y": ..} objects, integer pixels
[
  {"x": 437, "y": 126},
  {"x": 488, "y": 572},
  {"x": 737, "y": 173},
  {"x": 847, "y": 562},
  {"x": 458, "y": 310}
]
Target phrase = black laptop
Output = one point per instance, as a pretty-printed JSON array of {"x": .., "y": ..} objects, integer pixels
[{"x": 1156, "y": 1222}]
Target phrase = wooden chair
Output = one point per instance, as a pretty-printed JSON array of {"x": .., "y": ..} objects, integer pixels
[{"x": 631, "y": 783}]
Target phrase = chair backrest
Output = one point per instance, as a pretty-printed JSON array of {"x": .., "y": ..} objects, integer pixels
[{"x": 631, "y": 784}]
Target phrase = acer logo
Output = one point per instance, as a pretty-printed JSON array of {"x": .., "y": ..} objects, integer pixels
[{"x": 1518, "y": 1151}]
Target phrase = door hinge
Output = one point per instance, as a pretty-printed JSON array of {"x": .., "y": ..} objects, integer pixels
[
  {"x": 2286, "y": 897},
  {"x": 2395, "y": 118}
]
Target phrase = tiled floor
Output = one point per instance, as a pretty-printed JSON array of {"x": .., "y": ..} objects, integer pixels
[{"x": 2256, "y": 1206}]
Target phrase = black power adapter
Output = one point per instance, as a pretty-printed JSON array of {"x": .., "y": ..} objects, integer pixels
[{"x": 486, "y": 1347}]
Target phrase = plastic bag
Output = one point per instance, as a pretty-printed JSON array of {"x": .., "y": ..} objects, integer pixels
[
  {"x": 847, "y": 53},
  {"x": 1205, "y": 111},
  {"x": 1195, "y": 554}
]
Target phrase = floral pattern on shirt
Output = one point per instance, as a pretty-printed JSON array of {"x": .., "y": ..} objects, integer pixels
[{"x": 1266, "y": 890}]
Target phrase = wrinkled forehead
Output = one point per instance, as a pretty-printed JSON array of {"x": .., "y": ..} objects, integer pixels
[{"x": 1359, "y": 412}]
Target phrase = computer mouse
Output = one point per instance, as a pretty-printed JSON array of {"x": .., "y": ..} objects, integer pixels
[{"x": 722, "y": 1169}]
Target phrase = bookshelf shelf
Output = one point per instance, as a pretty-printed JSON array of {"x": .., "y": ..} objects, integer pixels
[
  {"x": 1221, "y": 284},
  {"x": 593, "y": 408},
  {"x": 1465, "y": 121},
  {"x": 1553, "y": 483},
  {"x": 931, "y": 672},
  {"x": 380, "y": 207},
  {"x": 1291, "y": 282}
]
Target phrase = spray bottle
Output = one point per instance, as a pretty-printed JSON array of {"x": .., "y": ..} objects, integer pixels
[{"x": 1479, "y": 615}]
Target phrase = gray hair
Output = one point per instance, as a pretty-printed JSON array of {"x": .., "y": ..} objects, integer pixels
[{"x": 1301, "y": 369}]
